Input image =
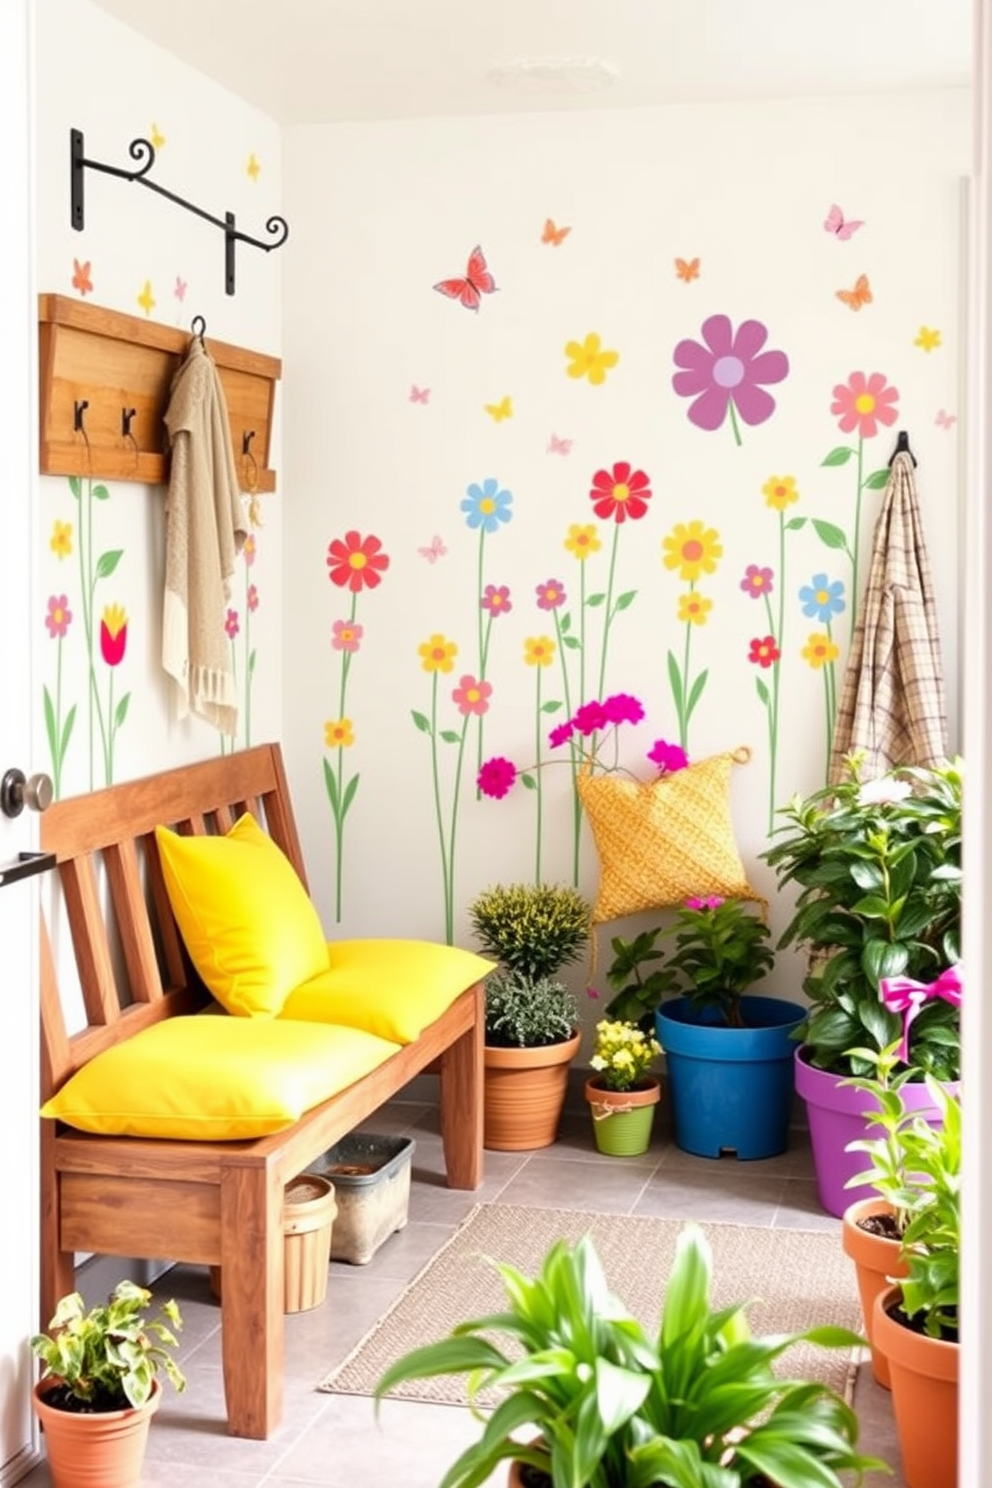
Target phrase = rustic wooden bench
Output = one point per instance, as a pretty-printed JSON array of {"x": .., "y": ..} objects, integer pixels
[{"x": 213, "y": 1203}]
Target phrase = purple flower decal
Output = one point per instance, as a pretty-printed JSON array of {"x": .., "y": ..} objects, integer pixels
[
  {"x": 728, "y": 371},
  {"x": 496, "y": 600}
]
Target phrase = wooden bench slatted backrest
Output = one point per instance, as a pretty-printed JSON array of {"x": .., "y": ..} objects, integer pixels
[{"x": 114, "y": 895}]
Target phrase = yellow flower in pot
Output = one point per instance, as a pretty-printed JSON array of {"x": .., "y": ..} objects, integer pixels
[{"x": 622, "y": 1095}]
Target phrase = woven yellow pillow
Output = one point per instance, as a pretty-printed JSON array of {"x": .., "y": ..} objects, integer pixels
[
  {"x": 391, "y": 987},
  {"x": 215, "y": 1079},
  {"x": 249, "y": 925},
  {"x": 663, "y": 841}
]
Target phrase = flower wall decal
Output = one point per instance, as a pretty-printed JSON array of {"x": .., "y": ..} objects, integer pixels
[
  {"x": 57, "y": 620},
  {"x": 691, "y": 550},
  {"x": 487, "y": 507},
  {"x": 864, "y": 403},
  {"x": 587, "y": 358},
  {"x": 113, "y": 643},
  {"x": 727, "y": 373},
  {"x": 354, "y": 564}
]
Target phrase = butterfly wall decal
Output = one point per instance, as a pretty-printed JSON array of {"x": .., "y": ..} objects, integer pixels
[
  {"x": 554, "y": 235},
  {"x": 687, "y": 269},
  {"x": 835, "y": 222},
  {"x": 558, "y": 446},
  {"x": 419, "y": 395},
  {"x": 477, "y": 282},
  {"x": 945, "y": 420},
  {"x": 180, "y": 289},
  {"x": 860, "y": 295},
  {"x": 435, "y": 549},
  {"x": 81, "y": 279},
  {"x": 501, "y": 410}
]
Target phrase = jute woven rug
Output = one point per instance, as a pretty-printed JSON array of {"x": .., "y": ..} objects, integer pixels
[{"x": 795, "y": 1279}]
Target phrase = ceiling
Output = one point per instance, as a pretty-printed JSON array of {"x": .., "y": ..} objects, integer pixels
[{"x": 319, "y": 61}]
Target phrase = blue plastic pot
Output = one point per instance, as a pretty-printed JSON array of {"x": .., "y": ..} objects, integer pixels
[{"x": 731, "y": 1088}]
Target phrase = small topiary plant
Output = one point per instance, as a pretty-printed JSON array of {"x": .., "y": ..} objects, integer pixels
[
  {"x": 522, "y": 1013},
  {"x": 531, "y": 929}
]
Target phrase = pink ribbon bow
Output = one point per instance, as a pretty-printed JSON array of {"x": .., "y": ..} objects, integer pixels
[{"x": 902, "y": 995}]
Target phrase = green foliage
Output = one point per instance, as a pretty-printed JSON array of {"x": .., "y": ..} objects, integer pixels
[
  {"x": 526, "y": 1014},
  {"x": 109, "y": 1356},
  {"x": 694, "y": 1406},
  {"x": 878, "y": 867},
  {"x": 931, "y": 1242},
  {"x": 533, "y": 929},
  {"x": 721, "y": 949},
  {"x": 886, "y": 1172}
]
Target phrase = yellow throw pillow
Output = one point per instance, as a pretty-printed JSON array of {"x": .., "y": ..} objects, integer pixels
[
  {"x": 214, "y": 1079},
  {"x": 249, "y": 925},
  {"x": 393, "y": 988},
  {"x": 663, "y": 841}
]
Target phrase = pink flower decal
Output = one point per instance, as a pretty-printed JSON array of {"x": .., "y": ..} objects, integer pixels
[
  {"x": 249, "y": 550},
  {"x": 560, "y": 735},
  {"x": 58, "y": 617},
  {"x": 472, "y": 697},
  {"x": 113, "y": 635},
  {"x": 231, "y": 624},
  {"x": 757, "y": 581},
  {"x": 346, "y": 636},
  {"x": 496, "y": 600},
  {"x": 764, "y": 652},
  {"x": 668, "y": 757},
  {"x": 252, "y": 597},
  {"x": 727, "y": 372},
  {"x": 863, "y": 403},
  {"x": 497, "y": 777},
  {"x": 620, "y": 493},
  {"x": 550, "y": 595}
]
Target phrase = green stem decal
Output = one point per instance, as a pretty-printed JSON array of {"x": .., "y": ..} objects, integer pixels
[
  {"x": 856, "y": 546},
  {"x": 608, "y": 610},
  {"x": 538, "y": 730},
  {"x": 734, "y": 426}
]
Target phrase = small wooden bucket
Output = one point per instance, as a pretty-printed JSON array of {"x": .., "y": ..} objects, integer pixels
[{"x": 309, "y": 1209}]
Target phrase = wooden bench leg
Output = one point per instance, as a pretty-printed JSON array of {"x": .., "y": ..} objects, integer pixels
[
  {"x": 252, "y": 1299},
  {"x": 58, "y": 1266},
  {"x": 462, "y": 1073}
]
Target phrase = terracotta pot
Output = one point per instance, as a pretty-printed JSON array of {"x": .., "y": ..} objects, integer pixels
[
  {"x": 622, "y": 1120},
  {"x": 876, "y": 1264},
  {"x": 104, "y": 1450},
  {"x": 924, "y": 1396},
  {"x": 524, "y": 1094}
]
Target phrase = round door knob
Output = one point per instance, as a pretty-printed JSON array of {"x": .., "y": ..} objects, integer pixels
[{"x": 18, "y": 791}]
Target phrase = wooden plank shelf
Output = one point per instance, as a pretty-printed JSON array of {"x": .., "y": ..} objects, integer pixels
[{"x": 114, "y": 363}]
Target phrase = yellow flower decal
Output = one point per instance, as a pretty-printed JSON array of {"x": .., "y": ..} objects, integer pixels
[
  {"x": 583, "y": 539},
  {"x": 587, "y": 359},
  {"x": 692, "y": 549},
  {"x": 539, "y": 651},
  {"x": 820, "y": 649},
  {"x": 693, "y": 608},
  {"x": 146, "y": 299},
  {"x": 438, "y": 654},
  {"x": 338, "y": 733},
  {"x": 60, "y": 541},
  {"x": 780, "y": 491},
  {"x": 927, "y": 339}
]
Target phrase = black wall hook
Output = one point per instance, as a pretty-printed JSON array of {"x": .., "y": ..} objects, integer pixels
[
  {"x": 79, "y": 408},
  {"x": 902, "y": 447},
  {"x": 198, "y": 326},
  {"x": 246, "y": 440},
  {"x": 127, "y": 414}
]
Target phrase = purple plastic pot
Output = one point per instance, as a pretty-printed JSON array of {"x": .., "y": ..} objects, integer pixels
[{"x": 836, "y": 1115}]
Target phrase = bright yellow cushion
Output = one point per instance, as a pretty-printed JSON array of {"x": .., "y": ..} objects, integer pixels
[
  {"x": 664, "y": 841},
  {"x": 249, "y": 925},
  {"x": 391, "y": 987},
  {"x": 214, "y": 1079}
]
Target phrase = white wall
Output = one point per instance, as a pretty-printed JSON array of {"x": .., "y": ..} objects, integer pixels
[{"x": 380, "y": 213}]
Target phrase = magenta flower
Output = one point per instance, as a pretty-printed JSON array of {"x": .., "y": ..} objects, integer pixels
[
  {"x": 472, "y": 696},
  {"x": 622, "y": 708},
  {"x": 589, "y": 718},
  {"x": 231, "y": 624},
  {"x": 496, "y": 599},
  {"x": 496, "y": 777},
  {"x": 58, "y": 617},
  {"x": 757, "y": 581},
  {"x": 708, "y": 901},
  {"x": 668, "y": 757},
  {"x": 727, "y": 372},
  {"x": 550, "y": 595},
  {"x": 560, "y": 735},
  {"x": 252, "y": 597}
]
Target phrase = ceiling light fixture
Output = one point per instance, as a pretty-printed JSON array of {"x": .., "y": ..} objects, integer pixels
[{"x": 554, "y": 75}]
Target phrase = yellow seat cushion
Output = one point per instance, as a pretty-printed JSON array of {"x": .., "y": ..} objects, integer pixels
[
  {"x": 393, "y": 988},
  {"x": 214, "y": 1079},
  {"x": 249, "y": 925},
  {"x": 663, "y": 841}
]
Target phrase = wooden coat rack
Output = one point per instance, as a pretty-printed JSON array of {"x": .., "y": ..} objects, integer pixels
[{"x": 105, "y": 379}]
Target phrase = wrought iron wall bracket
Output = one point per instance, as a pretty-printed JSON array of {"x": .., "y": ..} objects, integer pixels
[
  {"x": 26, "y": 865},
  {"x": 142, "y": 152}
]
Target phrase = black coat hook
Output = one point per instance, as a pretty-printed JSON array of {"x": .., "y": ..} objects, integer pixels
[
  {"x": 198, "y": 326},
  {"x": 246, "y": 440},
  {"x": 79, "y": 408},
  {"x": 127, "y": 414},
  {"x": 902, "y": 447}
]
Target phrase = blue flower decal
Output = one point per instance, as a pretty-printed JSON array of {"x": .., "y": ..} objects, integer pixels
[
  {"x": 487, "y": 506},
  {"x": 821, "y": 599}
]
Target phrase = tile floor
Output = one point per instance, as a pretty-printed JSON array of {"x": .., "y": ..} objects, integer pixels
[{"x": 334, "y": 1440}]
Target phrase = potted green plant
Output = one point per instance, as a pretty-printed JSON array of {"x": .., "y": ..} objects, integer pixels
[
  {"x": 608, "y": 1404},
  {"x": 621, "y": 1092},
  {"x": 878, "y": 868},
  {"x": 532, "y": 1019},
  {"x": 915, "y": 1321},
  {"x": 99, "y": 1388},
  {"x": 729, "y": 1052}
]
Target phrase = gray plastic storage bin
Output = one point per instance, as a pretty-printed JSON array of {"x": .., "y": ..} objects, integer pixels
[{"x": 371, "y": 1177}]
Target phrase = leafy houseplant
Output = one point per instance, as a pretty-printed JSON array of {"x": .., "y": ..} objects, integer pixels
[
  {"x": 531, "y": 1037},
  {"x": 531, "y": 929},
  {"x": 878, "y": 865},
  {"x": 695, "y": 1405},
  {"x": 106, "y": 1359},
  {"x": 527, "y": 1014},
  {"x": 623, "y": 1054}
]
